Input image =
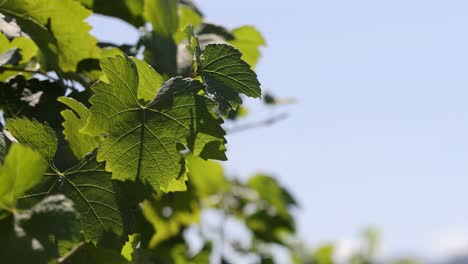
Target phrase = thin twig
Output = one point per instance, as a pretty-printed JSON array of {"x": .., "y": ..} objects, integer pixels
[
  {"x": 28, "y": 71},
  {"x": 266, "y": 122},
  {"x": 60, "y": 81}
]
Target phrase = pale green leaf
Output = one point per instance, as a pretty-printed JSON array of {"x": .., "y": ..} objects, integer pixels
[
  {"x": 59, "y": 28},
  {"x": 206, "y": 176},
  {"x": 26, "y": 46},
  {"x": 248, "y": 40},
  {"x": 187, "y": 16},
  {"x": 22, "y": 169},
  {"x": 141, "y": 139},
  {"x": 39, "y": 137},
  {"x": 227, "y": 75},
  {"x": 272, "y": 192},
  {"x": 74, "y": 120}
]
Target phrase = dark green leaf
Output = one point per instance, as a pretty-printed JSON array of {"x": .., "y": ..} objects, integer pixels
[
  {"x": 102, "y": 208},
  {"x": 227, "y": 75}
]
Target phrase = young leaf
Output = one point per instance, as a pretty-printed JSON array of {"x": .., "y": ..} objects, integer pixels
[
  {"x": 64, "y": 19},
  {"x": 142, "y": 138},
  {"x": 23, "y": 169},
  {"x": 37, "y": 136},
  {"x": 74, "y": 120},
  {"x": 227, "y": 75},
  {"x": 248, "y": 40}
]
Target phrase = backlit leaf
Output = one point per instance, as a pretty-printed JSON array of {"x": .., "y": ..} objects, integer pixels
[{"x": 142, "y": 138}]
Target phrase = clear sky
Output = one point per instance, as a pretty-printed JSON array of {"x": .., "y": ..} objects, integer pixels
[{"x": 379, "y": 135}]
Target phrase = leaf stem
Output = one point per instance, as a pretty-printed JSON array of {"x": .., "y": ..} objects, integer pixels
[
  {"x": 262, "y": 123},
  {"x": 71, "y": 252}
]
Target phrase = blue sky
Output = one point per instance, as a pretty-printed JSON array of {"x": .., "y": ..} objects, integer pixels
[{"x": 379, "y": 135}]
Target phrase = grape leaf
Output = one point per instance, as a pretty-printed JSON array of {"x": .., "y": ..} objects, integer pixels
[
  {"x": 22, "y": 170},
  {"x": 54, "y": 215},
  {"x": 207, "y": 176},
  {"x": 248, "y": 40},
  {"x": 142, "y": 137},
  {"x": 169, "y": 213},
  {"x": 74, "y": 120},
  {"x": 26, "y": 236},
  {"x": 163, "y": 16},
  {"x": 97, "y": 198},
  {"x": 44, "y": 21},
  {"x": 39, "y": 137},
  {"x": 27, "y": 48},
  {"x": 127, "y": 10},
  {"x": 227, "y": 75},
  {"x": 272, "y": 192},
  {"x": 91, "y": 254},
  {"x": 187, "y": 16}
]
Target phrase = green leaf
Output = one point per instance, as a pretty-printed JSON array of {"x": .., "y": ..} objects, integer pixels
[
  {"x": 127, "y": 10},
  {"x": 37, "y": 136},
  {"x": 227, "y": 75},
  {"x": 59, "y": 23},
  {"x": 54, "y": 215},
  {"x": 272, "y": 192},
  {"x": 23, "y": 169},
  {"x": 74, "y": 120},
  {"x": 142, "y": 138},
  {"x": 194, "y": 48},
  {"x": 206, "y": 176},
  {"x": 97, "y": 198},
  {"x": 28, "y": 236},
  {"x": 324, "y": 254},
  {"x": 27, "y": 48},
  {"x": 187, "y": 16},
  {"x": 170, "y": 213},
  {"x": 270, "y": 227},
  {"x": 248, "y": 40},
  {"x": 90, "y": 254},
  {"x": 163, "y": 16}
]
